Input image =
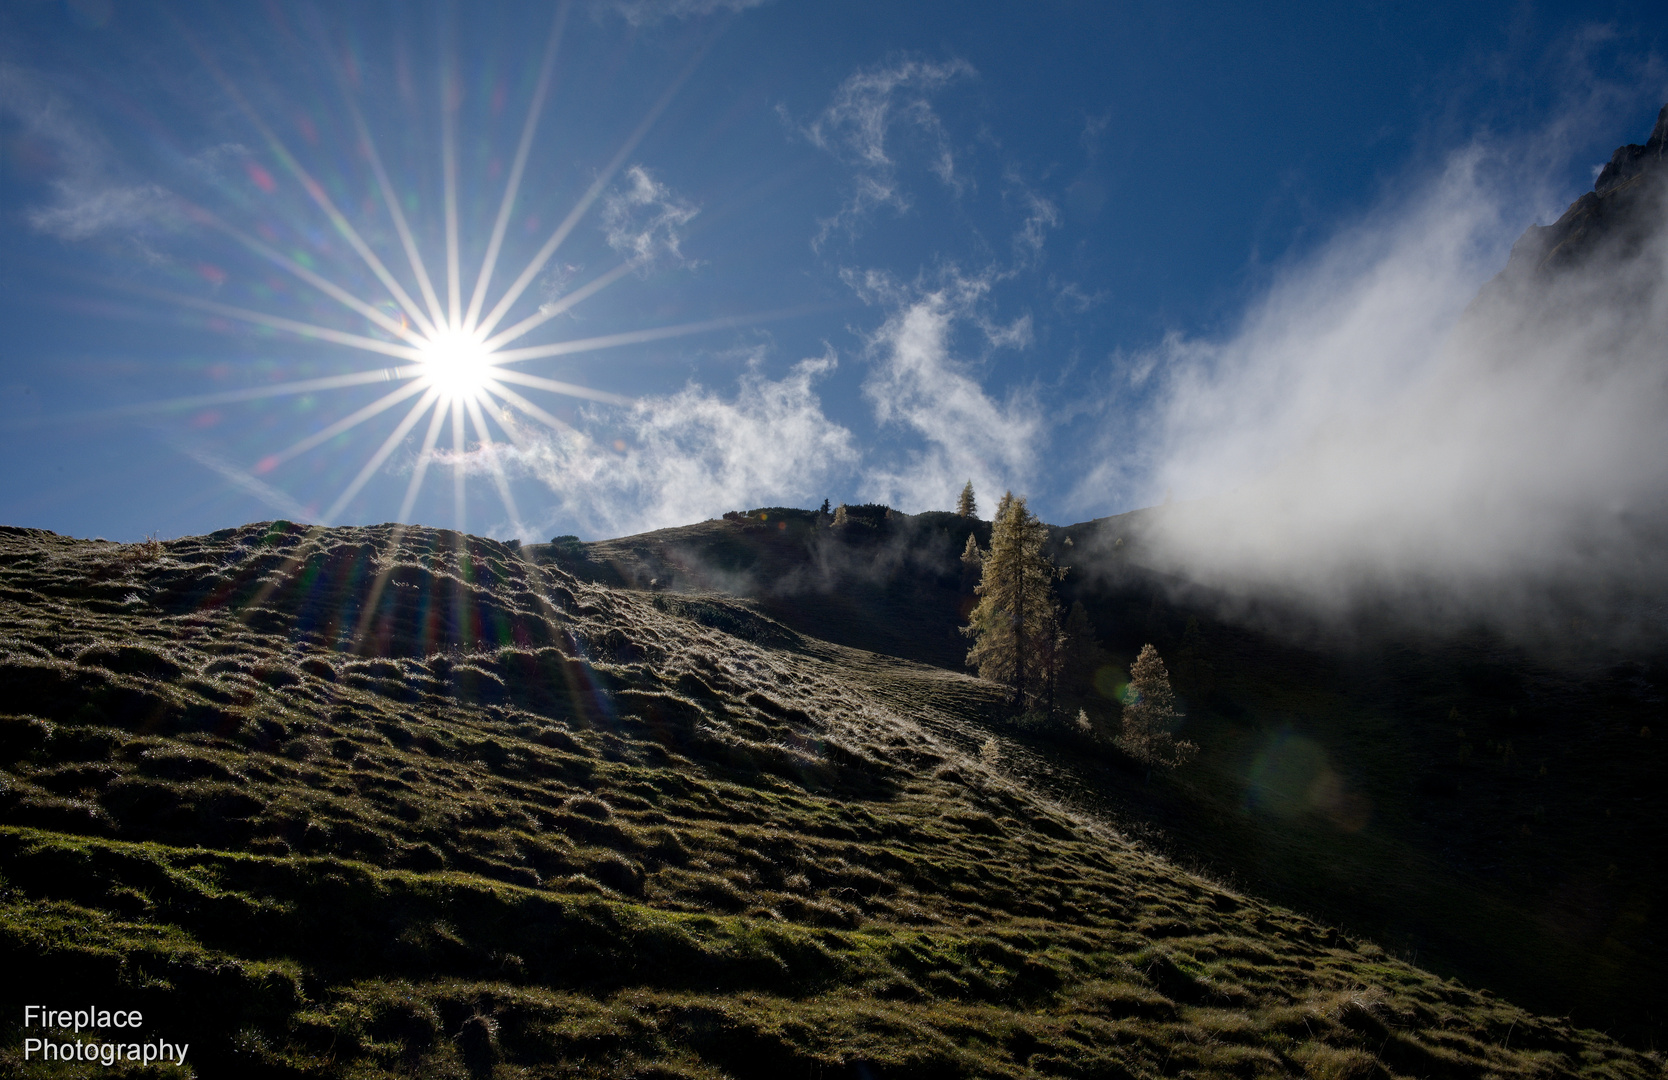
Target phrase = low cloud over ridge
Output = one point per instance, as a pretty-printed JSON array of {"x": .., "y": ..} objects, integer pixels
[{"x": 1367, "y": 435}]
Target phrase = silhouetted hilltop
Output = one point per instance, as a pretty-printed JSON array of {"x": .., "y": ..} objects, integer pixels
[{"x": 887, "y": 582}]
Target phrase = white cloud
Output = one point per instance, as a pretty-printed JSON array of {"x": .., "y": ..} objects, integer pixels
[
  {"x": 693, "y": 455},
  {"x": 867, "y": 109},
  {"x": 643, "y": 220},
  {"x": 917, "y": 384},
  {"x": 1015, "y": 335},
  {"x": 219, "y": 163},
  {"x": 648, "y": 12},
  {"x": 1093, "y": 128},
  {"x": 1354, "y": 330}
]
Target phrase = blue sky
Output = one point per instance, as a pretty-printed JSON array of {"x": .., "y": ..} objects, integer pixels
[{"x": 1091, "y": 252}]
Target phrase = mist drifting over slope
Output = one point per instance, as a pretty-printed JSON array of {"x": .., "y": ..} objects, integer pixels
[{"x": 1373, "y": 433}]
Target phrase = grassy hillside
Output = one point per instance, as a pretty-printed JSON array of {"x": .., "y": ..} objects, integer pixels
[
  {"x": 385, "y": 802},
  {"x": 1496, "y": 814}
]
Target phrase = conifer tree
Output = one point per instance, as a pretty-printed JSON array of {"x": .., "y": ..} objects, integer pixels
[
  {"x": 966, "y": 506},
  {"x": 1016, "y": 623},
  {"x": 1150, "y": 712},
  {"x": 972, "y": 555}
]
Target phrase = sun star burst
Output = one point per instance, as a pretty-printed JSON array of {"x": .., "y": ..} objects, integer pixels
[
  {"x": 457, "y": 365},
  {"x": 459, "y": 352}
]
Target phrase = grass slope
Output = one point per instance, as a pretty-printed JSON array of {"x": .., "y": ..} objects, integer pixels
[
  {"x": 1497, "y": 814},
  {"x": 400, "y": 802}
]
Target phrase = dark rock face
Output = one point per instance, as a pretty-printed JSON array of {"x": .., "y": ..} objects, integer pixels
[
  {"x": 1623, "y": 210},
  {"x": 1634, "y": 160}
]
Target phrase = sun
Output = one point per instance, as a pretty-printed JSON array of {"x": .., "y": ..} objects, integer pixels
[
  {"x": 460, "y": 354},
  {"x": 457, "y": 365}
]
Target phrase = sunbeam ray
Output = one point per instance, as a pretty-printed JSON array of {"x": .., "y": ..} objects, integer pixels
[
  {"x": 500, "y": 309},
  {"x": 224, "y": 397},
  {"x": 311, "y": 277},
  {"x": 500, "y": 413},
  {"x": 316, "y": 192},
  {"x": 494, "y": 466},
  {"x": 394, "y": 439},
  {"x": 247, "y": 482},
  {"x": 531, "y": 409},
  {"x": 635, "y": 337},
  {"x": 392, "y": 201},
  {"x": 346, "y": 423},
  {"x": 458, "y": 437},
  {"x": 503, "y": 375},
  {"x": 421, "y": 467},
  {"x": 278, "y": 322},
  {"x": 549, "y": 311},
  {"x": 534, "y": 108},
  {"x": 449, "y": 183}
]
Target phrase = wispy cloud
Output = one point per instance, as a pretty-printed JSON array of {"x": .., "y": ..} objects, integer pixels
[
  {"x": 692, "y": 455},
  {"x": 917, "y": 384},
  {"x": 90, "y": 195},
  {"x": 82, "y": 210},
  {"x": 865, "y": 113},
  {"x": 648, "y": 12},
  {"x": 1070, "y": 299},
  {"x": 1041, "y": 215},
  {"x": 644, "y": 219}
]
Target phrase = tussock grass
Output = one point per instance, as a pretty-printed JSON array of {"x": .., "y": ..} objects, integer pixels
[{"x": 395, "y": 802}]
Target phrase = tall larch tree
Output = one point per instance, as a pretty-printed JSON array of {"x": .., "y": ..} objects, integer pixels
[
  {"x": 967, "y": 506},
  {"x": 1015, "y": 625}
]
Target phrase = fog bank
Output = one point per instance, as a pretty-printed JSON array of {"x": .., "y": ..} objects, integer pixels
[{"x": 1373, "y": 433}]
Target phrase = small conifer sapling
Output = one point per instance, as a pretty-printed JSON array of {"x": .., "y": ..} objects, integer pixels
[{"x": 1150, "y": 712}]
